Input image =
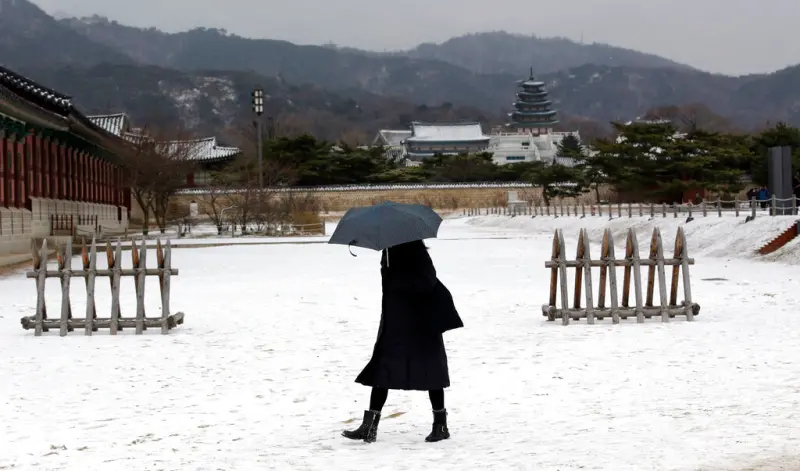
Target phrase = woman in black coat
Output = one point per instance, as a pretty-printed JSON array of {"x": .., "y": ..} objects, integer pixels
[{"x": 409, "y": 354}]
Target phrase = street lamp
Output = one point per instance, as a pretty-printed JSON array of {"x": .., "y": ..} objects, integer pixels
[{"x": 258, "y": 109}]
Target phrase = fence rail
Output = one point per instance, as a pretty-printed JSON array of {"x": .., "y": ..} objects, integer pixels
[
  {"x": 90, "y": 272},
  {"x": 12, "y": 223},
  {"x": 751, "y": 208},
  {"x": 632, "y": 263}
]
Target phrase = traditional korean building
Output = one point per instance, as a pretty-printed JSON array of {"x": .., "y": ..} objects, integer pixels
[
  {"x": 393, "y": 141},
  {"x": 533, "y": 112},
  {"x": 428, "y": 139},
  {"x": 59, "y": 172},
  {"x": 206, "y": 152}
]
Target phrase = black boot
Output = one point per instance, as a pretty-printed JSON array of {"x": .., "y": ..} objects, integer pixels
[
  {"x": 439, "y": 431},
  {"x": 368, "y": 431}
]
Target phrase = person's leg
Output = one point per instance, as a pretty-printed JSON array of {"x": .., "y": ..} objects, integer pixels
[
  {"x": 377, "y": 398},
  {"x": 368, "y": 430},
  {"x": 437, "y": 399},
  {"x": 440, "y": 431}
]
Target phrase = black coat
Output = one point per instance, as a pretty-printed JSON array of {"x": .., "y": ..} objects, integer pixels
[{"x": 416, "y": 309}]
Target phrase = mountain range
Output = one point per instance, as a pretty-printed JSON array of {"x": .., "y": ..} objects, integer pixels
[{"x": 203, "y": 77}]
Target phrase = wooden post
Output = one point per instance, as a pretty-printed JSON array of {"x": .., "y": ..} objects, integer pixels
[
  {"x": 664, "y": 209},
  {"x": 91, "y": 275},
  {"x": 641, "y": 210},
  {"x": 562, "y": 271},
  {"x": 703, "y": 208},
  {"x": 680, "y": 239},
  {"x": 736, "y": 206},
  {"x": 719, "y": 207},
  {"x": 576, "y": 300},
  {"x": 608, "y": 243},
  {"x": 689, "y": 208},
  {"x": 583, "y": 210},
  {"x": 637, "y": 273},
  {"x": 662, "y": 284},
  {"x": 65, "y": 267},
  {"x": 586, "y": 258},
  {"x": 554, "y": 275},
  {"x": 40, "y": 266},
  {"x": 773, "y": 209},
  {"x": 165, "y": 264},
  {"x": 140, "y": 265},
  {"x": 115, "y": 265},
  {"x": 753, "y": 204}
]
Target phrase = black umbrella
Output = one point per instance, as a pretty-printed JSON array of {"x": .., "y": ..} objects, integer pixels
[{"x": 386, "y": 225}]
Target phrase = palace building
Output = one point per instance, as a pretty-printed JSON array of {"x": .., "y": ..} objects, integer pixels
[
  {"x": 527, "y": 137},
  {"x": 206, "y": 152},
  {"x": 533, "y": 112},
  {"x": 60, "y": 173}
]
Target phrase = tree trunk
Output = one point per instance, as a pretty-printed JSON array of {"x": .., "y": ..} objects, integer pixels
[{"x": 597, "y": 192}]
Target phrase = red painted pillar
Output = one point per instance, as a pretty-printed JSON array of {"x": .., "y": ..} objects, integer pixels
[
  {"x": 38, "y": 171},
  {"x": 55, "y": 168},
  {"x": 107, "y": 182},
  {"x": 95, "y": 188},
  {"x": 84, "y": 185},
  {"x": 11, "y": 176},
  {"x": 104, "y": 182},
  {"x": 70, "y": 173},
  {"x": 3, "y": 185},
  {"x": 76, "y": 174},
  {"x": 60, "y": 179},
  {"x": 45, "y": 167},
  {"x": 21, "y": 161},
  {"x": 30, "y": 167}
]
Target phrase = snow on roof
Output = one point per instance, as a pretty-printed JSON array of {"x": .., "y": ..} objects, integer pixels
[
  {"x": 199, "y": 150},
  {"x": 393, "y": 137},
  {"x": 114, "y": 123},
  {"x": 447, "y": 132}
]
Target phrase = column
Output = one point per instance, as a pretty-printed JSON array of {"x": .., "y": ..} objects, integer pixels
[
  {"x": 70, "y": 167},
  {"x": 106, "y": 182},
  {"x": 55, "y": 168},
  {"x": 76, "y": 175},
  {"x": 62, "y": 171},
  {"x": 82, "y": 176},
  {"x": 93, "y": 178},
  {"x": 38, "y": 170},
  {"x": 3, "y": 185},
  {"x": 22, "y": 189},
  {"x": 45, "y": 167}
]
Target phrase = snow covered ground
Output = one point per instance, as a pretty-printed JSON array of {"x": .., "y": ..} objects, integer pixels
[{"x": 261, "y": 375}]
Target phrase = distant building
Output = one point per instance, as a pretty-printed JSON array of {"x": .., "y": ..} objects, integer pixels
[
  {"x": 205, "y": 151},
  {"x": 529, "y": 136},
  {"x": 393, "y": 143},
  {"x": 533, "y": 112},
  {"x": 428, "y": 139}
]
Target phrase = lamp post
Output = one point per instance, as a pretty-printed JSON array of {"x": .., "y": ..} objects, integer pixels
[{"x": 258, "y": 108}]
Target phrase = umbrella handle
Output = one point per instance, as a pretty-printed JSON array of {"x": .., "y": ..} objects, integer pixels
[{"x": 351, "y": 250}]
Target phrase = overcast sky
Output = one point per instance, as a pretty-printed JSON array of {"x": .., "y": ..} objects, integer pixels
[{"x": 726, "y": 36}]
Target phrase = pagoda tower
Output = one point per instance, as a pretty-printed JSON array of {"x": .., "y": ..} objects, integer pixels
[{"x": 533, "y": 112}]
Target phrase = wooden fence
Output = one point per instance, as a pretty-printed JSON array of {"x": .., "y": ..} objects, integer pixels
[
  {"x": 90, "y": 272},
  {"x": 751, "y": 208},
  {"x": 668, "y": 306}
]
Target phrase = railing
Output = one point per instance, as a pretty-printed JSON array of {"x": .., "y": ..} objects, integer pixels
[
  {"x": 752, "y": 208},
  {"x": 61, "y": 224},
  {"x": 88, "y": 220},
  {"x": 12, "y": 223}
]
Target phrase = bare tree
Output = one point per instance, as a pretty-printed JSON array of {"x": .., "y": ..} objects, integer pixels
[
  {"x": 215, "y": 199},
  {"x": 156, "y": 168}
]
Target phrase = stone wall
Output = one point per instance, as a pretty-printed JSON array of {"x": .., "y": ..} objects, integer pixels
[
  {"x": 19, "y": 226},
  {"x": 438, "y": 198}
]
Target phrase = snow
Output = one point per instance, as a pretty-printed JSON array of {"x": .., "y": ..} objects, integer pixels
[
  {"x": 261, "y": 374},
  {"x": 457, "y": 132}
]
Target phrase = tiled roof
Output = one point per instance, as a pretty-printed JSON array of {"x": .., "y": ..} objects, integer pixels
[
  {"x": 198, "y": 150},
  {"x": 116, "y": 124},
  {"x": 41, "y": 95},
  {"x": 447, "y": 132},
  {"x": 393, "y": 138}
]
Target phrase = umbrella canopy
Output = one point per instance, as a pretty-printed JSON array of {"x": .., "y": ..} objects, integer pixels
[{"x": 386, "y": 225}]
